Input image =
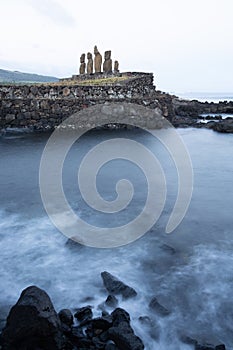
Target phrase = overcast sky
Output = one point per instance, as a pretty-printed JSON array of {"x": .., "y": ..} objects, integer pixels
[{"x": 187, "y": 44}]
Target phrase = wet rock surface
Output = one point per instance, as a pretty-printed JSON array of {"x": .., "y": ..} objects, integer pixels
[
  {"x": 189, "y": 114},
  {"x": 117, "y": 287},
  {"x": 155, "y": 306},
  {"x": 84, "y": 314},
  {"x": 66, "y": 317},
  {"x": 224, "y": 126},
  {"x": 122, "y": 333},
  {"x": 111, "y": 301},
  {"x": 33, "y": 324}
]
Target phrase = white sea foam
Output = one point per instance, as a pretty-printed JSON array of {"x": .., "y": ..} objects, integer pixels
[{"x": 196, "y": 291}]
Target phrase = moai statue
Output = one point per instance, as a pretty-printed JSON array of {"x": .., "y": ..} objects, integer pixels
[
  {"x": 97, "y": 60},
  {"x": 107, "y": 67},
  {"x": 116, "y": 67},
  {"x": 82, "y": 64},
  {"x": 89, "y": 63}
]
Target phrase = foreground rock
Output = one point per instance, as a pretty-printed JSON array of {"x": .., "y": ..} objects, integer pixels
[
  {"x": 122, "y": 333},
  {"x": 117, "y": 287},
  {"x": 158, "y": 308},
  {"x": 32, "y": 323},
  {"x": 111, "y": 301},
  {"x": 66, "y": 317},
  {"x": 84, "y": 314}
]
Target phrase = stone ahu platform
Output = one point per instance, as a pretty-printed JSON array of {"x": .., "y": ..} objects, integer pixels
[{"x": 45, "y": 106}]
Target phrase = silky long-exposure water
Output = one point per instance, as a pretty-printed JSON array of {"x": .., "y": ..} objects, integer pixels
[{"x": 189, "y": 270}]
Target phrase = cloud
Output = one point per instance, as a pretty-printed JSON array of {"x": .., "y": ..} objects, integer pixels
[
  {"x": 186, "y": 44},
  {"x": 53, "y": 10}
]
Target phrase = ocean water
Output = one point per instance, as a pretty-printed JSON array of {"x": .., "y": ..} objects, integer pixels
[
  {"x": 190, "y": 270},
  {"x": 206, "y": 96}
]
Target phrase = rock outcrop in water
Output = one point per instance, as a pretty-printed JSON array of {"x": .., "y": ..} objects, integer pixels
[
  {"x": 115, "y": 286},
  {"x": 189, "y": 114},
  {"x": 122, "y": 333},
  {"x": 33, "y": 324},
  {"x": 158, "y": 308}
]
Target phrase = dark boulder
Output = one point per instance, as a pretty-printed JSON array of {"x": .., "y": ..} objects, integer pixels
[
  {"x": 209, "y": 125},
  {"x": 119, "y": 316},
  {"x": 78, "y": 339},
  {"x": 98, "y": 344},
  {"x": 32, "y": 323},
  {"x": 83, "y": 343},
  {"x": 111, "y": 301},
  {"x": 77, "y": 332},
  {"x": 98, "y": 326},
  {"x": 122, "y": 333},
  {"x": 125, "y": 340},
  {"x": 220, "y": 347},
  {"x": 158, "y": 308},
  {"x": 66, "y": 317},
  {"x": 101, "y": 323},
  {"x": 115, "y": 286},
  {"x": 111, "y": 346},
  {"x": 84, "y": 314},
  {"x": 225, "y": 126}
]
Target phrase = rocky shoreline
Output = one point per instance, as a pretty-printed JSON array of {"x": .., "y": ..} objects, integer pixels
[
  {"x": 183, "y": 114},
  {"x": 33, "y": 323},
  {"x": 190, "y": 114}
]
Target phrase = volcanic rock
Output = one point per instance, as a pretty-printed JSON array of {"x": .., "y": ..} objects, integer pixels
[{"x": 115, "y": 286}]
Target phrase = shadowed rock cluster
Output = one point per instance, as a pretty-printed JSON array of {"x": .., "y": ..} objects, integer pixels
[
  {"x": 189, "y": 114},
  {"x": 33, "y": 323}
]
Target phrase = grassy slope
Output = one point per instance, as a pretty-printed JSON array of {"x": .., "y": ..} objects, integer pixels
[{"x": 19, "y": 77}]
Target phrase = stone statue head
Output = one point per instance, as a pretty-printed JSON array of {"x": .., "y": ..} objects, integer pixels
[
  {"x": 89, "y": 55},
  {"x": 107, "y": 55},
  {"x": 96, "y": 51},
  {"x": 82, "y": 58}
]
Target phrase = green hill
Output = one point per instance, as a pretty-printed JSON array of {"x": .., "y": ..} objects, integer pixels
[{"x": 7, "y": 76}]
